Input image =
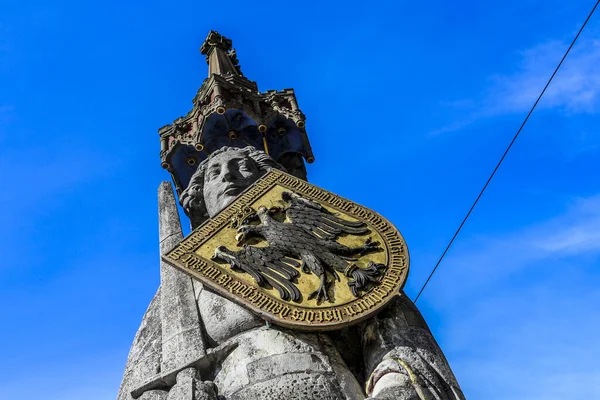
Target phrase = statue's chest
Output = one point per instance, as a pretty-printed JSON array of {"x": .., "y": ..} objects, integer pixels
[{"x": 223, "y": 318}]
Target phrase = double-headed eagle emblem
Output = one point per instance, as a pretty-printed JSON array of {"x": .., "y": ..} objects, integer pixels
[{"x": 302, "y": 237}]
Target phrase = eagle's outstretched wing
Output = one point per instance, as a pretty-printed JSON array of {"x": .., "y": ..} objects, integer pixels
[
  {"x": 267, "y": 265},
  {"x": 317, "y": 220}
]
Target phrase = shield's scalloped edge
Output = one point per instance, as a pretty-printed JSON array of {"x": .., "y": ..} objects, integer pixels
[{"x": 210, "y": 273}]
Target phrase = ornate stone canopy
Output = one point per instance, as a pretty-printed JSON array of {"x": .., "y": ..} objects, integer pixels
[{"x": 229, "y": 110}]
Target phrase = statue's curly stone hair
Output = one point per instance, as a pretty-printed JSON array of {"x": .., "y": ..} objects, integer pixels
[{"x": 192, "y": 198}]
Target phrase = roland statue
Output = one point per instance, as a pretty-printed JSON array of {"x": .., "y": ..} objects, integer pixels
[{"x": 195, "y": 342}]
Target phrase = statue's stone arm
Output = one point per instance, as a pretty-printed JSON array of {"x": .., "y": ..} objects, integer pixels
[{"x": 402, "y": 359}]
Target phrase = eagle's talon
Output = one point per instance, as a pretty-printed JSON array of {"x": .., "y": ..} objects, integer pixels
[
  {"x": 249, "y": 218},
  {"x": 243, "y": 227},
  {"x": 274, "y": 210},
  {"x": 369, "y": 245},
  {"x": 321, "y": 292},
  {"x": 244, "y": 232}
]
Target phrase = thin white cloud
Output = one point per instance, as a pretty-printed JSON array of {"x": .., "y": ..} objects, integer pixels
[
  {"x": 575, "y": 89},
  {"x": 455, "y": 126},
  {"x": 520, "y": 317},
  {"x": 536, "y": 342},
  {"x": 574, "y": 233}
]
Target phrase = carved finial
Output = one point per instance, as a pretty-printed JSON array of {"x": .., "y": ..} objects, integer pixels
[
  {"x": 214, "y": 39},
  {"x": 220, "y": 55}
]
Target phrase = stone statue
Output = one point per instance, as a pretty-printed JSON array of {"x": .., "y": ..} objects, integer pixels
[{"x": 195, "y": 344}]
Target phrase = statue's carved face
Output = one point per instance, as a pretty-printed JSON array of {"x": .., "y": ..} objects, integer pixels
[{"x": 226, "y": 176}]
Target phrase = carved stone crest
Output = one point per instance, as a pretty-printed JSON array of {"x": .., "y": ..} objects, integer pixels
[{"x": 297, "y": 255}]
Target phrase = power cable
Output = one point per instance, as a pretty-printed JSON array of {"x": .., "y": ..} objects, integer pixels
[{"x": 506, "y": 151}]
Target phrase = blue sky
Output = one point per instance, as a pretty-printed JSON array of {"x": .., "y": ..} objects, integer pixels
[{"x": 409, "y": 106}]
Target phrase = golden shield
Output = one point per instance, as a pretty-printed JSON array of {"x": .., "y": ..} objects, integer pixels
[{"x": 297, "y": 255}]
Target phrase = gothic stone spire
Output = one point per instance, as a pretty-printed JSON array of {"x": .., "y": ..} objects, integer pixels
[
  {"x": 220, "y": 56},
  {"x": 229, "y": 110}
]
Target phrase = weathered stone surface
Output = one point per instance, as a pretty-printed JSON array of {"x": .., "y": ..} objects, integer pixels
[
  {"x": 223, "y": 318},
  {"x": 286, "y": 363},
  {"x": 397, "y": 386},
  {"x": 347, "y": 380},
  {"x": 182, "y": 340},
  {"x": 190, "y": 387},
  {"x": 154, "y": 395},
  {"x": 171, "y": 325},
  {"x": 296, "y": 386},
  {"x": 266, "y": 359},
  {"x": 398, "y": 343}
]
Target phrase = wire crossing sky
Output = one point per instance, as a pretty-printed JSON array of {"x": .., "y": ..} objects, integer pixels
[{"x": 506, "y": 151}]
